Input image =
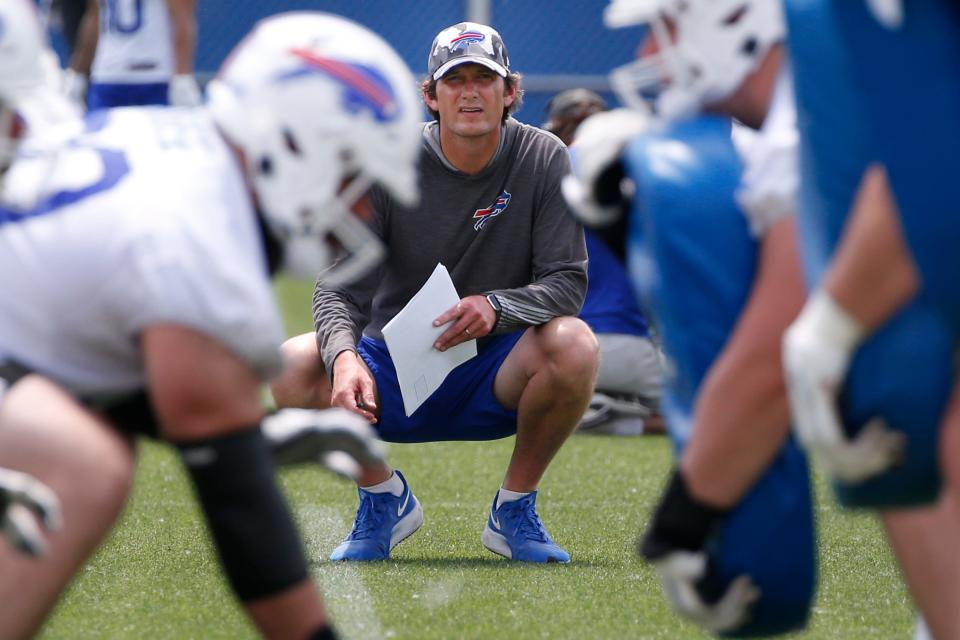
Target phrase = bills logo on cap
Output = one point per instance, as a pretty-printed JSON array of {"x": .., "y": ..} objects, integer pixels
[
  {"x": 364, "y": 87},
  {"x": 465, "y": 39},
  {"x": 499, "y": 206}
]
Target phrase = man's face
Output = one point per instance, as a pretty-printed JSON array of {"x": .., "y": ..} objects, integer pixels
[{"x": 470, "y": 100}]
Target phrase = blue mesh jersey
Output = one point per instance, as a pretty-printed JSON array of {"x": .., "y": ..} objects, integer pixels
[{"x": 611, "y": 304}]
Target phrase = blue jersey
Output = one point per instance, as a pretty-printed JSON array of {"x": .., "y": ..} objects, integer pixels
[
  {"x": 692, "y": 254},
  {"x": 611, "y": 304}
]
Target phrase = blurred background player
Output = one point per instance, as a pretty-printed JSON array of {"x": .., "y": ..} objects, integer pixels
[
  {"x": 880, "y": 258},
  {"x": 134, "y": 52},
  {"x": 492, "y": 213},
  {"x": 128, "y": 307},
  {"x": 627, "y": 396},
  {"x": 732, "y": 538},
  {"x": 29, "y": 103},
  {"x": 726, "y": 56}
]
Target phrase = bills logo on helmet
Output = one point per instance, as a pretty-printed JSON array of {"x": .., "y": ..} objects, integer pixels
[
  {"x": 499, "y": 206},
  {"x": 465, "y": 39},
  {"x": 365, "y": 88}
]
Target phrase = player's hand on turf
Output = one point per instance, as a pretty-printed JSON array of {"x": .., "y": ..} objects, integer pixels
[
  {"x": 675, "y": 544},
  {"x": 23, "y": 500},
  {"x": 679, "y": 573},
  {"x": 353, "y": 386},
  {"x": 469, "y": 319},
  {"x": 341, "y": 441},
  {"x": 815, "y": 367}
]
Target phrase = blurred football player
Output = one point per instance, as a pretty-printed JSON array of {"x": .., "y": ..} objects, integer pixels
[
  {"x": 128, "y": 306},
  {"x": 880, "y": 256},
  {"x": 135, "y": 52},
  {"x": 29, "y": 102},
  {"x": 727, "y": 233},
  {"x": 725, "y": 560}
]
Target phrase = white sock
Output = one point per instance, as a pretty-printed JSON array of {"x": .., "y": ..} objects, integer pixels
[
  {"x": 393, "y": 484},
  {"x": 505, "y": 495}
]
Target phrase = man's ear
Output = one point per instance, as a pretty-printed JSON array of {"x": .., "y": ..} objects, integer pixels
[
  {"x": 431, "y": 102},
  {"x": 509, "y": 94}
]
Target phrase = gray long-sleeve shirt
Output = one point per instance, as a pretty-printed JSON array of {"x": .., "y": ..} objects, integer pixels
[{"x": 505, "y": 230}]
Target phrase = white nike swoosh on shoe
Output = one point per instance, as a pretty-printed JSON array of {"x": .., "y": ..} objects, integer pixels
[
  {"x": 493, "y": 518},
  {"x": 403, "y": 505}
]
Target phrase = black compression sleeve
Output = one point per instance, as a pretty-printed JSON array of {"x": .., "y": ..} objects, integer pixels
[{"x": 258, "y": 544}]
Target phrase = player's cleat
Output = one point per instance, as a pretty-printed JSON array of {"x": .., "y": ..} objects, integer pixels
[
  {"x": 383, "y": 521},
  {"x": 515, "y": 531}
]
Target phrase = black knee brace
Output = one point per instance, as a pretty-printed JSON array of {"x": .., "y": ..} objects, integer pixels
[{"x": 259, "y": 545}]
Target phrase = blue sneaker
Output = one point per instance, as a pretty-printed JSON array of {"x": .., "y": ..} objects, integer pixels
[
  {"x": 514, "y": 531},
  {"x": 383, "y": 521}
]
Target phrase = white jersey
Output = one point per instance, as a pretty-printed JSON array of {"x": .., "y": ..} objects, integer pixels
[
  {"x": 142, "y": 219},
  {"x": 135, "y": 44},
  {"x": 771, "y": 161}
]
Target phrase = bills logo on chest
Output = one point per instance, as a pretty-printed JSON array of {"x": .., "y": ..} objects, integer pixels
[{"x": 481, "y": 216}]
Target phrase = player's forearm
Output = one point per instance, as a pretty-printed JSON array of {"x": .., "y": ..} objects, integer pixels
[
  {"x": 184, "y": 46},
  {"x": 741, "y": 422},
  {"x": 872, "y": 274},
  {"x": 87, "y": 36},
  {"x": 742, "y": 415},
  {"x": 184, "y": 26}
]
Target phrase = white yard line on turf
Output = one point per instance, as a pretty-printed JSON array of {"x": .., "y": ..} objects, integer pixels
[{"x": 348, "y": 601}]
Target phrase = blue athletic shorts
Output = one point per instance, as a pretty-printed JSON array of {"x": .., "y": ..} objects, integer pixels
[
  {"x": 107, "y": 96},
  {"x": 463, "y": 408}
]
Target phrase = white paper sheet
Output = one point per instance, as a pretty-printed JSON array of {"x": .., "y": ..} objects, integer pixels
[{"x": 410, "y": 336}]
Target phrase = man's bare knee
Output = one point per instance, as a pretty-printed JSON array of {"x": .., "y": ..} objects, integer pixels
[
  {"x": 303, "y": 382},
  {"x": 571, "y": 350}
]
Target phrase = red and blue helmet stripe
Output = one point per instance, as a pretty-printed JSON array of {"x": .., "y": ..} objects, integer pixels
[{"x": 365, "y": 87}]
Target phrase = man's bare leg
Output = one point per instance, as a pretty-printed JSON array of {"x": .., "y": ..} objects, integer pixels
[
  {"x": 46, "y": 433},
  {"x": 549, "y": 377}
]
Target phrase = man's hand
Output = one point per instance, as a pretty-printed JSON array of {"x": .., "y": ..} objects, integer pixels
[
  {"x": 23, "y": 499},
  {"x": 675, "y": 544},
  {"x": 335, "y": 438},
  {"x": 816, "y": 354},
  {"x": 473, "y": 317},
  {"x": 353, "y": 386},
  {"x": 680, "y": 571}
]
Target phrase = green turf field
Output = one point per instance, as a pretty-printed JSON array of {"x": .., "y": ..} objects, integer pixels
[{"x": 157, "y": 576}]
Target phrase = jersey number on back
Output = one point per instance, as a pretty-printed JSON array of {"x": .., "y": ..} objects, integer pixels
[{"x": 122, "y": 16}]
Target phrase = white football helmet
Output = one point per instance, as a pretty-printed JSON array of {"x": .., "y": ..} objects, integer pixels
[
  {"x": 314, "y": 100},
  {"x": 29, "y": 79},
  {"x": 716, "y": 44}
]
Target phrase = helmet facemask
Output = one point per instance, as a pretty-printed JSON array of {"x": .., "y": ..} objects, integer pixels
[
  {"x": 321, "y": 109},
  {"x": 714, "y": 46}
]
